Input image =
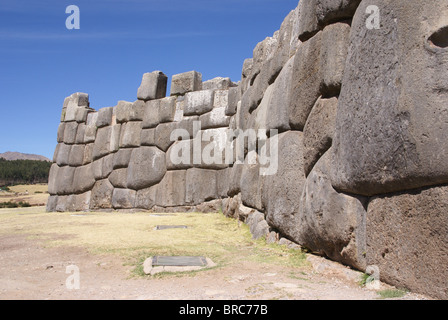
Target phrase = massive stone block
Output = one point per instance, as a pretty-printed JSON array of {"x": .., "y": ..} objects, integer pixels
[
  {"x": 153, "y": 86},
  {"x": 282, "y": 190},
  {"x": 306, "y": 81},
  {"x": 145, "y": 199},
  {"x": 146, "y": 168},
  {"x": 76, "y": 155},
  {"x": 118, "y": 178},
  {"x": 171, "y": 190},
  {"x": 319, "y": 131},
  {"x": 53, "y": 179},
  {"x": 251, "y": 183},
  {"x": 63, "y": 154},
  {"x": 104, "y": 118},
  {"x": 392, "y": 120},
  {"x": 107, "y": 141},
  {"x": 331, "y": 223},
  {"x": 130, "y": 134},
  {"x": 218, "y": 83},
  {"x": 217, "y": 117},
  {"x": 70, "y": 132},
  {"x": 122, "y": 158},
  {"x": 200, "y": 186},
  {"x": 186, "y": 82},
  {"x": 101, "y": 197},
  {"x": 198, "y": 102},
  {"x": 151, "y": 116},
  {"x": 123, "y": 198},
  {"x": 76, "y": 107},
  {"x": 167, "y": 109},
  {"x": 64, "y": 184},
  {"x": 83, "y": 179},
  {"x": 406, "y": 239}
]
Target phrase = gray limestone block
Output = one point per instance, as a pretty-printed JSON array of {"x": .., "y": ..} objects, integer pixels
[
  {"x": 137, "y": 110},
  {"x": 88, "y": 154},
  {"x": 211, "y": 149},
  {"x": 165, "y": 133},
  {"x": 76, "y": 107},
  {"x": 167, "y": 109},
  {"x": 278, "y": 103},
  {"x": 392, "y": 121},
  {"x": 282, "y": 187},
  {"x": 60, "y": 137},
  {"x": 198, "y": 102},
  {"x": 122, "y": 158},
  {"x": 234, "y": 179},
  {"x": 146, "y": 168},
  {"x": 260, "y": 84},
  {"x": 306, "y": 81},
  {"x": 80, "y": 133},
  {"x": 56, "y": 152},
  {"x": 83, "y": 179},
  {"x": 330, "y": 11},
  {"x": 200, "y": 186},
  {"x": 118, "y": 178},
  {"x": 90, "y": 133},
  {"x": 171, "y": 190},
  {"x": 335, "y": 41},
  {"x": 222, "y": 182},
  {"x": 97, "y": 168},
  {"x": 406, "y": 239},
  {"x": 52, "y": 203},
  {"x": 146, "y": 198},
  {"x": 147, "y": 137},
  {"x": 82, "y": 201},
  {"x": 153, "y": 86},
  {"x": 123, "y": 198},
  {"x": 218, "y": 83},
  {"x": 319, "y": 131},
  {"x": 130, "y": 134},
  {"x": 81, "y": 114},
  {"x": 76, "y": 155},
  {"x": 53, "y": 179},
  {"x": 103, "y": 167},
  {"x": 217, "y": 117},
  {"x": 64, "y": 184},
  {"x": 101, "y": 197},
  {"x": 251, "y": 185},
  {"x": 308, "y": 21},
  {"x": 332, "y": 223},
  {"x": 180, "y": 155},
  {"x": 123, "y": 111},
  {"x": 70, "y": 131},
  {"x": 63, "y": 156},
  {"x": 104, "y": 117},
  {"x": 186, "y": 82},
  {"x": 151, "y": 116},
  {"x": 107, "y": 141},
  {"x": 92, "y": 117},
  {"x": 234, "y": 95}
]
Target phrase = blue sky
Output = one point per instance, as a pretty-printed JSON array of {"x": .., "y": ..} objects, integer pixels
[{"x": 42, "y": 62}]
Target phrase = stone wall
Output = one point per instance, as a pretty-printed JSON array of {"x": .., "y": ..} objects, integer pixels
[{"x": 355, "y": 117}]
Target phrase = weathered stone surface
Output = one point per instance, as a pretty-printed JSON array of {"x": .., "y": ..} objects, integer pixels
[
  {"x": 130, "y": 134},
  {"x": 64, "y": 184},
  {"x": 171, "y": 190},
  {"x": 53, "y": 179},
  {"x": 83, "y": 179},
  {"x": 335, "y": 42},
  {"x": 222, "y": 182},
  {"x": 75, "y": 107},
  {"x": 118, "y": 178},
  {"x": 88, "y": 154},
  {"x": 146, "y": 198},
  {"x": 124, "y": 111},
  {"x": 167, "y": 109},
  {"x": 211, "y": 150},
  {"x": 186, "y": 82},
  {"x": 306, "y": 81},
  {"x": 153, "y": 86},
  {"x": 82, "y": 201},
  {"x": 76, "y": 155},
  {"x": 218, "y": 83},
  {"x": 52, "y": 203},
  {"x": 61, "y": 128},
  {"x": 146, "y": 168},
  {"x": 234, "y": 96},
  {"x": 101, "y": 197},
  {"x": 107, "y": 141},
  {"x": 235, "y": 179},
  {"x": 281, "y": 191},
  {"x": 122, "y": 158},
  {"x": 257, "y": 225},
  {"x": 180, "y": 155},
  {"x": 217, "y": 117},
  {"x": 251, "y": 183},
  {"x": 148, "y": 137},
  {"x": 80, "y": 133},
  {"x": 63, "y": 155},
  {"x": 200, "y": 186},
  {"x": 151, "y": 115},
  {"x": 319, "y": 131},
  {"x": 70, "y": 132},
  {"x": 331, "y": 223},
  {"x": 198, "y": 102},
  {"x": 104, "y": 117},
  {"x": 392, "y": 120},
  {"x": 90, "y": 133},
  {"x": 123, "y": 198},
  {"x": 163, "y": 139},
  {"x": 406, "y": 239}
]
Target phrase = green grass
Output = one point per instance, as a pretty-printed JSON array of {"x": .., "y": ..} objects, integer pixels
[
  {"x": 132, "y": 236},
  {"x": 391, "y": 293}
]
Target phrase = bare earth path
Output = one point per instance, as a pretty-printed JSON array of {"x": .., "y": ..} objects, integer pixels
[{"x": 31, "y": 271}]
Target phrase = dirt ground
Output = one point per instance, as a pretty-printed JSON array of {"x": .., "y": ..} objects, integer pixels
[{"x": 31, "y": 271}]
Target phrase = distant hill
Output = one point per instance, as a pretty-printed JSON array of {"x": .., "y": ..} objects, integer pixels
[{"x": 11, "y": 156}]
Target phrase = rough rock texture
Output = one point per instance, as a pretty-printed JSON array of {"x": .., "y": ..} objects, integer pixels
[
  {"x": 331, "y": 223},
  {"x": 330, "y": 110},
  {"x": 406, "y": 239},
  {"x": 392, "y": 117}
]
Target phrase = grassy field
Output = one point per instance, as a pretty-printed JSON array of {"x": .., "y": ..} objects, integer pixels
[
  {"x": 133, "y": 236},
  {"x": 35, "y": 195}
]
